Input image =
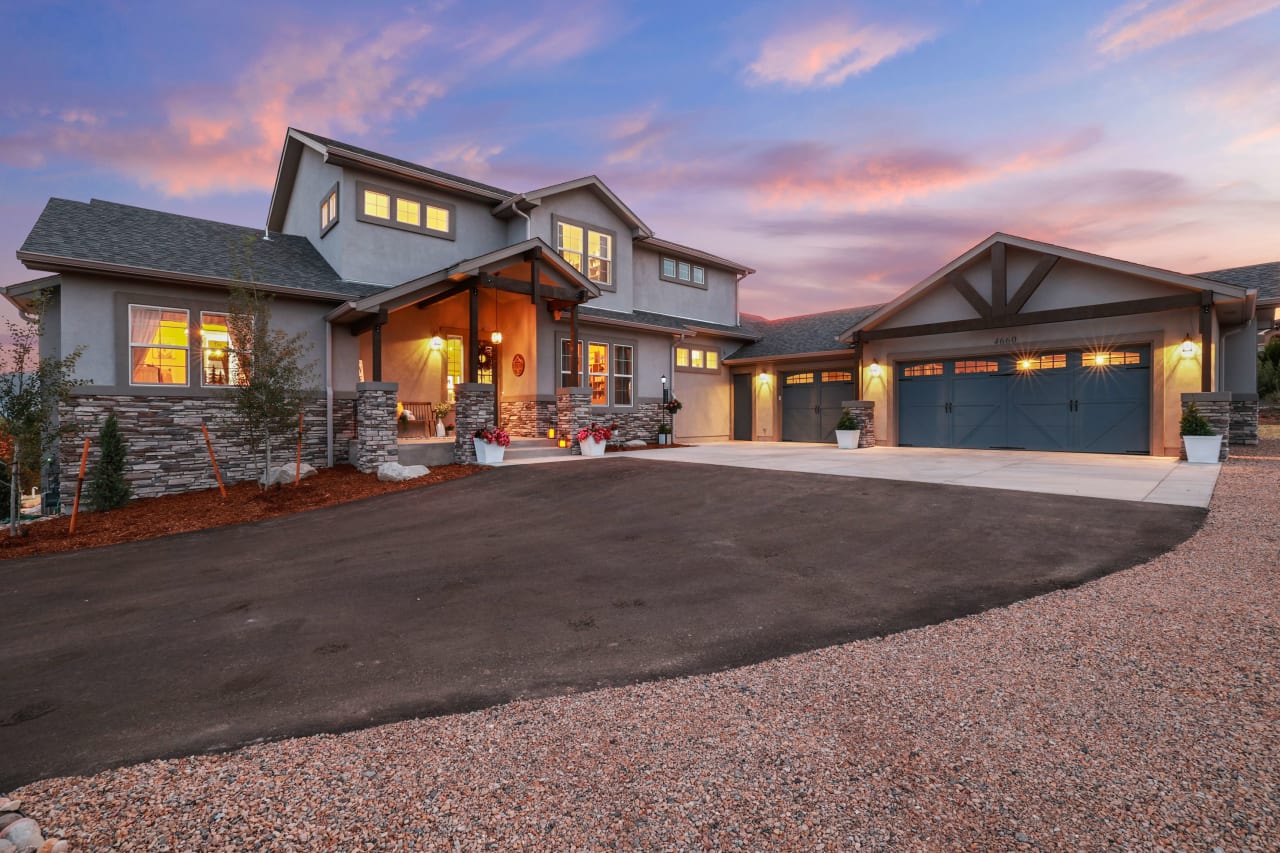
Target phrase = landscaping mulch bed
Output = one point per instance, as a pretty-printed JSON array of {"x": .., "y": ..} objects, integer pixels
[{"x": 148, "y": 518}]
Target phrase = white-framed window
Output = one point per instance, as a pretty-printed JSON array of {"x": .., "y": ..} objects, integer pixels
[
  {"x": 329, "y": 210},
  {"x": 406, "y": 211},
  {"x": 589, "y": 250},
  {"x": 683, "y": 272},
  {"x": 221, "y": 357},
  {"x": 609, "y": 371},
  {"x": 698, "y": 359},
  {"x": 453, "y": 366},
  {"x": 159, "y": 345}
]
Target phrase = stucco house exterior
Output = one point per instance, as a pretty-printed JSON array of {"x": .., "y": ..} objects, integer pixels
[{"x": 420, "y": 287}]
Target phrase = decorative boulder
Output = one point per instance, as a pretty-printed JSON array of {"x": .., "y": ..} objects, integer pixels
[
  {"x": 394, "y": 472},
  {"x": 23, "y": 833},
  {"x": 285, "y": 474},
  {"x": 637, "y": 442}
]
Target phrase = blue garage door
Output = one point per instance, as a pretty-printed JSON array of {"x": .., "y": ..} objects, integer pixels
[
  {"x": 1095, "y": 401},
  {"x": 812, "y": 401}
]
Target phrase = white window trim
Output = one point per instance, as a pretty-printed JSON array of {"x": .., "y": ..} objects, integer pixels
[
  {"x": 614, "y": 376},
  {"x": 230, "y": 350},
  {"x": 675, "y": 278},
  {"x": 585, "y": 374},
  {"x": 608, "y": 372},
  {"x": 689, "y": 368},
  {"x": 132, "y": 346},
  {"x": 390, "y": 221},
  {"x": 587, "y": 230},
  {"x": 330, "y": 200}
]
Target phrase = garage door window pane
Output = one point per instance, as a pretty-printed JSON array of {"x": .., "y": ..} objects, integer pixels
[
  {"x": 837, "y": 376},
  {"x": 1108, "y": 359},
  {"x": 977, "y": 367},
  {"x": 1043, "y": 362},
  {"x": 933, "y": 368},
  {"x": 799, "y": 379}
]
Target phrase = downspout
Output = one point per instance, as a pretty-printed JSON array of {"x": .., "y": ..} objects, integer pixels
[
  {"x": 328, "y": 391},
  {"x": 528, "y": 222}
]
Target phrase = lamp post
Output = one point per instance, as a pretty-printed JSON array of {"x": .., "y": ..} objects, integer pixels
[{"x": 666, "y": 398}]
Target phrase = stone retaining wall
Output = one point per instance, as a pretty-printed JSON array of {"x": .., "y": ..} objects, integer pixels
[
  {"x": 528, "y": 418},
  {"x": 166, "y": 449}
]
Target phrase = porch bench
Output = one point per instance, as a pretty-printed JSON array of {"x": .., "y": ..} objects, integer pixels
[{"x": 423, "y": 420}]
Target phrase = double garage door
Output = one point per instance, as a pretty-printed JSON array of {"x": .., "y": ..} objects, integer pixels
[
  {"x": 812, "y": 401},
  {"x": 1071, "y": 400}
]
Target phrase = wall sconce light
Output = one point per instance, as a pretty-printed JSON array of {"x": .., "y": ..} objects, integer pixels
[
  {"x": 875, "y": 369},
  {"x": 564, "y": 442},
  {"x": 437, "y": 343},
  {"x": 551, "y": 432},
  {"x": 496, "y": 337},
  {"x": 1188, "y": 348},
  {"x": 765, "y": 378}
]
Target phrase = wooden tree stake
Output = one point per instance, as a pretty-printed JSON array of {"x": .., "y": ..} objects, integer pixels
[
  {"x": 75, "y": 505},
  {"x": 297, "y": 468},
  {"x": 216, "y": 474}
]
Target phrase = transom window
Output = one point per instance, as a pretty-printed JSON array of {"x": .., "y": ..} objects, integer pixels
[
  {"x": 329, "y": 210},
  {"x": 609, "y": 370},
  {"x": 405, "y": 211},
  {"x": 932, "y": 368},
  {"x": 1043, "y": 362},
  {"x": 589, "y": 250},
  {"x": 158, "y": 345},
  {"x": 1107, "y": 359},
  {"x": 696, "y": 358},
  {"x": 220, "y": 357},
  {"x": 683, "y": 272},
  {"x": 837, "y": 376},
  {"x": 977, "y": 366},
  {"x": 798, "y": 379}
]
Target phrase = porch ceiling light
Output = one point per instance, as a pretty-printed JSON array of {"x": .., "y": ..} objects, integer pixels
[
  {"x": 1188, "y": 348},
  {"x": 437, "y": 343},
  {"x": 496, "y": 337},
  {"x": 875, "y": 369}
]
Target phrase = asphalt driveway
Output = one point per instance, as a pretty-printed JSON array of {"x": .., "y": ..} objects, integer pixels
[{"x": 526, "y": 581}]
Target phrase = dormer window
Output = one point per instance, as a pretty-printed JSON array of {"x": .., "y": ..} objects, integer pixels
[
  {"x": 684, "y": 272},
  {"x": 405, "y": 211},
  {"x": 329, "y": 210},
  {"x": 589, "y": 249}
]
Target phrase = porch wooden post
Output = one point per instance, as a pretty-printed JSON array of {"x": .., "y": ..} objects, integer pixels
[
  {"x": 377, "y": 345},
  {"x": 857, "y": 356},
  {"x": 1206, "y": 341},
  {"x": 573, "y": 347},
  {"x": 534, "y": 278},
  {"x": 473, "y": 340}
]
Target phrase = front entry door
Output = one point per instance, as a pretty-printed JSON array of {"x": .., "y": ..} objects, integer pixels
[{"x": 743, "y": 407}]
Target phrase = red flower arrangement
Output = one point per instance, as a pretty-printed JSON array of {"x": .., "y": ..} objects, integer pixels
[
  {"x": 595, "y": 431},
  {"x": 494, "y": 435},
  {"x": 673, "y": 405}
]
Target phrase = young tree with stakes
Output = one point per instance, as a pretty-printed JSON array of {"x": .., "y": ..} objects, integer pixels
[
  {"x": 108, "y": 489},
  {"x": 272, "y": 387},
  {"x": 31, "y": 389}
]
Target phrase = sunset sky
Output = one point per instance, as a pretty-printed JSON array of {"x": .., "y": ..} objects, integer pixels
[{"x": 845, "y": 150}]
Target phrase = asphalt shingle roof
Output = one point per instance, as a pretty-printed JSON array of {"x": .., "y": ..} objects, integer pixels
[
  {"x": 803, "y": 334},
  {"x": 1265, "y": 277},
  {"x": 666, "y": 321},
  {"x": 405, "y": 164},
  {"x": 151, "y": 239}
]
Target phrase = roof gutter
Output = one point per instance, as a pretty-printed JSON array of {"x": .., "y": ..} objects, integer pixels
[
  {"x": 340, "y": 155},
  {"x": 835, "y": 353}
]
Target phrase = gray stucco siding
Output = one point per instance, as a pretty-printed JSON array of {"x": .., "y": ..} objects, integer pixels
[
  {"x": 715, "y": 303},
  {"x": 95, "y": 314},
  {"x": 584, "y": 206},
  {"x": 311, "y": 186},
  {"x": 380, "y": 254}
]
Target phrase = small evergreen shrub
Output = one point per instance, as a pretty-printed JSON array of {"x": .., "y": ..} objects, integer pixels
[
  {"x": 1193, "y": 423},
  {"x": 847, "y": 421},
  {"x": 108, "y": 489}
]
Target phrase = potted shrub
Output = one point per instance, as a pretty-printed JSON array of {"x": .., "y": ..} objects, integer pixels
[
  {"x": 847, "y": 431},
  {"x": 491, "y": 443},
  {"x": 441, "y": 411},
  {"x": 593, "y": 439},
  {"x": 664, "y": 434},
  {"x": 1201, "y": 444}
]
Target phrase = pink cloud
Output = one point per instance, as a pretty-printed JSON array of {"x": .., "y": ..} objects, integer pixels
[
  {"x": 827, "y": 53},
  {"x": 1138, "y": 26}
]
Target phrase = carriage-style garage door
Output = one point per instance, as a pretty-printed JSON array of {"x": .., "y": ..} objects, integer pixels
[
  {"x": 1084, "y": 401},
  {"x": 811, "y": 403}
]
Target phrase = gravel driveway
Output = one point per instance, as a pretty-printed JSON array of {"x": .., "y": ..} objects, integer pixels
[
  {"x": 524, "y": 582},
  {"x": 1138, "y": 711}
]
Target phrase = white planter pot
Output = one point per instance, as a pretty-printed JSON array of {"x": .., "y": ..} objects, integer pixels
[
  {"x": 847, "y": 439},
  {"x": 488, "y": 453},
  {"x": 439, "y": 429},
  {"x": 663, "y": 438},
  {"x": 591, "y": 447},
  {"x": 1202, "y": 449}
]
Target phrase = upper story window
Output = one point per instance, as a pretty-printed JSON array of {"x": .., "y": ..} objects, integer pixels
[
  {"x": 329, "y": 210},
  {"x": 158, "y": 345},
  {"x": 683, "y": 272},
  {"x": 406, "y": 211},
  {"x": 589, "y": 249},
  {"x": 697, "y": 359},
  {"x": 221, "y": 357}
]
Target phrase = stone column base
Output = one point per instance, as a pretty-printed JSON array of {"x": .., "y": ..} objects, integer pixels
[
  {"x": 376, "y": 439},
  {"x": 472, "y": 411},
  {"x": 864, "y": 412},
  {"x": 573, "y": 412},
  {"x": 1215, "y": 406}
]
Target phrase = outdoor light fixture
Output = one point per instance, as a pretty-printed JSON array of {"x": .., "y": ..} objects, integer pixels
[
  {"x": 551, "y": 432},
  {"x": 437, "y": 343},
  {"x": 874, "y": 369},
  {"x": 664, "y": 380},
  {"x": 1188, "y": 348},
  {"x": 496, "y": 337},
  {"x": 765, "y": 378},
  {"x": 564, "y": 442}
]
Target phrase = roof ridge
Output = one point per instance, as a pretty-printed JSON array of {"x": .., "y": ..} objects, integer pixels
[{"x": 823, "y": 313}]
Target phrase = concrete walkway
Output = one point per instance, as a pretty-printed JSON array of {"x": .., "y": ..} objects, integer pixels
[{"x": 1149, "y": 479}]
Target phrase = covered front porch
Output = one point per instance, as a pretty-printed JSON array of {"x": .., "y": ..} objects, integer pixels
[{"x": 470, "y": 345}]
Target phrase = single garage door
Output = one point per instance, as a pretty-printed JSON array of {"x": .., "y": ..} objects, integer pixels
[
  {"x": 1073, "y": 400},
  {"x": 812, "y": 402}
]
